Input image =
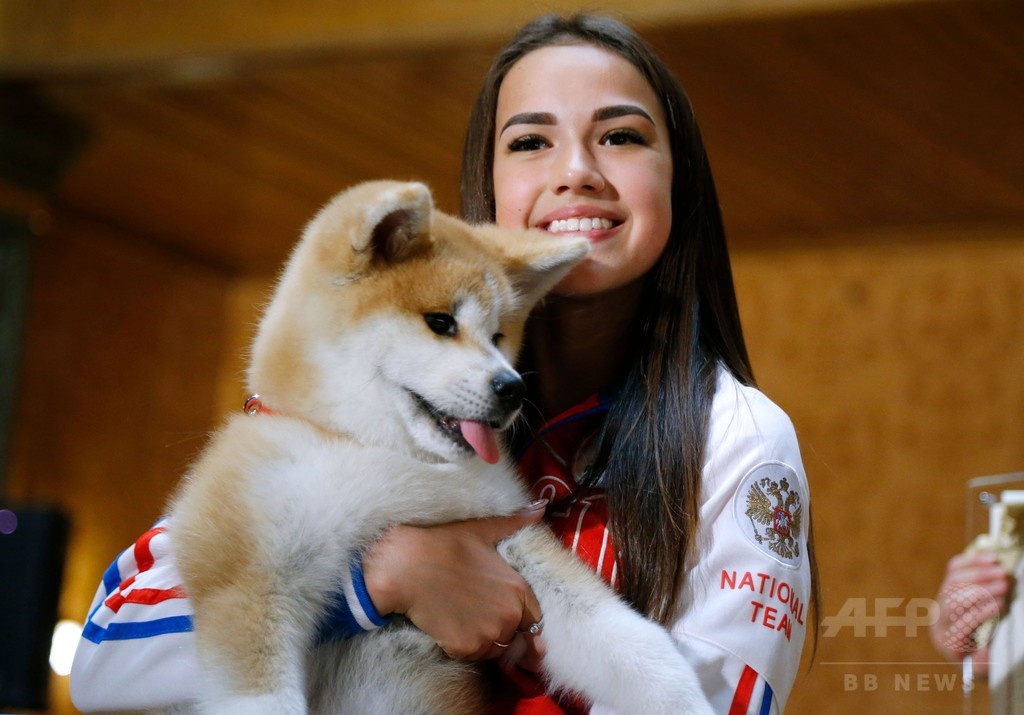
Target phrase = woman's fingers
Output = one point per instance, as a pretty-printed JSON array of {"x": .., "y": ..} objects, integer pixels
[
  {"x": 973, "y": 591},
  {"x": 499, "y": 527},
  {"x": 450, "y": 581}
]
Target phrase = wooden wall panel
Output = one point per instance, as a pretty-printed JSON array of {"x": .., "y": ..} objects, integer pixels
[
  {"x": 898, "y": 356},
  {"x": 244, "y": 304},
  {"x": 109, "y": 35},
  {"x": 117, "y": 391},
  {"x": 814, "y": 123}
]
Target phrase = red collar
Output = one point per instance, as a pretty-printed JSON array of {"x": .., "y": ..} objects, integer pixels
[{"x": 254, "y": 406}]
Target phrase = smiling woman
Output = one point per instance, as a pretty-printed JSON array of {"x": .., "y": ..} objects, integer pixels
[{"x": 579, "y": 119}]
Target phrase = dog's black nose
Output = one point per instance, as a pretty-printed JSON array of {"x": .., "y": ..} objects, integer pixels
[{"x": 508, "y": 387}]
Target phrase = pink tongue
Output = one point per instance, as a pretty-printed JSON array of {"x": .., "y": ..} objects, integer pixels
[{"x": 481, "y": 438}]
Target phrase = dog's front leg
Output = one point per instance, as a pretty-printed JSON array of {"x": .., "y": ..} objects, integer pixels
[
  {"x": 251, "y": 646},
  {"x": 597, "y": 645}
]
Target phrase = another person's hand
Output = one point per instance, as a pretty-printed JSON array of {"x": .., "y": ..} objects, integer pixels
[
  {"x": 973, "y": 591},
  {"x": 451, "y": 583}
]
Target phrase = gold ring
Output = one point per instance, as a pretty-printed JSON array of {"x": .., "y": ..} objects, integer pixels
[{"x": 502, "y": 645}]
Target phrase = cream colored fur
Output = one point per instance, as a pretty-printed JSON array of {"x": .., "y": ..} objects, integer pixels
[{"x": 278, "y": 504}]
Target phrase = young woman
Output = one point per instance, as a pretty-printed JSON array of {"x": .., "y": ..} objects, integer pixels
[{"x": 665, "y": 469}]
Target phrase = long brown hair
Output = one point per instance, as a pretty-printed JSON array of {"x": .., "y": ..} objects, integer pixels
[{"x": 651, "y": 452}]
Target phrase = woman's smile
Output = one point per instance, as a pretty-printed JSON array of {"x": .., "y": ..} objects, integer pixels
[{"x": 595, "y": 222}]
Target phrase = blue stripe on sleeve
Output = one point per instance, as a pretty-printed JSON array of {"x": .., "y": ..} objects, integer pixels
[
  {"x": 766, "y": 700},
  {"x": 339, "y": 622},
  {"x": 112, "y": 577},
  {"x": 142, "y": 629},
  {"x": 363, "y": 595}
]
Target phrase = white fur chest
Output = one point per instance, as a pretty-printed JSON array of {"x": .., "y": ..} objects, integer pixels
[{"x": 300, "y": 476}]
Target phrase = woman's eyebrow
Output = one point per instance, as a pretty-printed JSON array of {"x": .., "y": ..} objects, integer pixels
[
  {"x": 530, "y": 118},
  {"x": 620, "y": 110},
  {"x": 616, "y": 110}
]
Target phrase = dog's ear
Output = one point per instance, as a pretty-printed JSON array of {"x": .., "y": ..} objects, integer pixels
[
  {"x": 535, "y": 261},
  {"x": 395, "y": 222},
  {"x": 370, "y": 222}
]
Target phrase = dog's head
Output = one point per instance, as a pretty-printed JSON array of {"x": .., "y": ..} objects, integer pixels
[{"x": 399, "y": 324}]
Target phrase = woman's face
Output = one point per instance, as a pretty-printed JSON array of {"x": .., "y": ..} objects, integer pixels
[{"x": 582, "y": 146}]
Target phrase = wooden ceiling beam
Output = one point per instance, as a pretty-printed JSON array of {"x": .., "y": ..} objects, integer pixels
[{"x": 193, "y": 38}]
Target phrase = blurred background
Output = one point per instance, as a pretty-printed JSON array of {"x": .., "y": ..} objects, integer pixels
[{"x": 159, "y": 160}]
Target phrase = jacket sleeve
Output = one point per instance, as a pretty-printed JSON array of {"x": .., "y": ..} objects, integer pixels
[
  {"x": 137, "y": 650},
  {"x": 744, "y": 607},
  {"x": 137, "y": 647},
  {"x": 746, "y": 603}
]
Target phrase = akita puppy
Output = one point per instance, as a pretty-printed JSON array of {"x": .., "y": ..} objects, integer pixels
[{"x": 384, "y": 362}]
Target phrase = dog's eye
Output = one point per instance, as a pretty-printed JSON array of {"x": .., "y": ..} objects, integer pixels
[
  {"x": 442, "y": 324},
  {"x": 497, "y": 338}
]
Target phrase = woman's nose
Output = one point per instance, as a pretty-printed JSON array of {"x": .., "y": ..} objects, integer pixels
[{"x": 576, "y": 169}]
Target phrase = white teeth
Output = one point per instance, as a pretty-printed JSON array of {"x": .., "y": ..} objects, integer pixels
[{"x": 580, "y": 224}]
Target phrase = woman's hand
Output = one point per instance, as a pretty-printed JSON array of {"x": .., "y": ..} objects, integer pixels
[
  {"x": 451, "y": 583},
  {"x": 974, "y": 590}
]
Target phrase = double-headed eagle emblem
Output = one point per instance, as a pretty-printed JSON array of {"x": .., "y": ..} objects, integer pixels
[{"x": 776, "y": 525}]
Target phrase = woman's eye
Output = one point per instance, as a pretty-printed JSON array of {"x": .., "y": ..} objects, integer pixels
[
  {"x": 620, "y": 137},
  {"x": 530, "y": 142},
  {"x": 442, "y": 324}
]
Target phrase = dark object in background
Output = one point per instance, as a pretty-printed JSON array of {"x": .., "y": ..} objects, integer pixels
[{"x": 31, "y": 570}]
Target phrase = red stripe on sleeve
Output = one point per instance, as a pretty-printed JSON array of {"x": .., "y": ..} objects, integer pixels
[
  {"x": 116, "y": 600},
  {"x": 741, "y": 700},
  {"x": 143, "y": 561},
  {"x": 143, "y": 555},
  {"x": 150, "y": 596},
  {"x": 144, "y": 596}
]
